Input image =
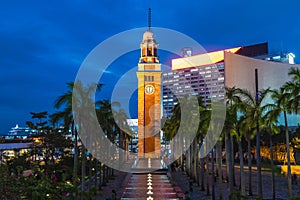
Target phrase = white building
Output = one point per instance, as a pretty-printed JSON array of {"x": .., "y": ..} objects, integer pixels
[{"x": 204, "y": 74}]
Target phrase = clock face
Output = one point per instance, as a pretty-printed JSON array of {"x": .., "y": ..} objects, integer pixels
[{"x": 149, "y": 89}]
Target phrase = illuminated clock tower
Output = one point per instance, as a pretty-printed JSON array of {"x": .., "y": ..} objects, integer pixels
[{"x": 149, "y": 98}]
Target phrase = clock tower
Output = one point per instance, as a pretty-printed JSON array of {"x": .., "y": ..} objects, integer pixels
[{"x": 149, "y": 98}]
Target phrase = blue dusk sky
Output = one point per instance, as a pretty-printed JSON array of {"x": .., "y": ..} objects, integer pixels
[{"x": 43, "y": 43}]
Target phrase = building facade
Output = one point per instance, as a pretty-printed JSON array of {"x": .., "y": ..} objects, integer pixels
[{"x": 203, "y": 74}]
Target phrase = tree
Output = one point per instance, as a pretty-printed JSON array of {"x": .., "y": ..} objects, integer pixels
[
  {"x": 281, "y": 98},
  {"x": 288, "y": 99},
  {"x": 42, "y": 131},
  {"x": 66, "y": 115},
  {"x": 239, "y": 133},
  {"x": 232, "y": 104},
  {"x": 106, "y": 120},
  {"x": 39, "y": 116},
  {"x": 252, "y": 107},
  {"x": 171, "y": 128},
  {"x": 81, "y": 100},
  {"x": 293, "y": 89},
  {"x": 204, "y": 122},
  {"x": 271, "y": 128}
]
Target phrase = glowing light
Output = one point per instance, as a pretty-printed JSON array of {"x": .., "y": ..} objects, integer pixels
[
  {"x": 150, "y": 198},
  {"x": 149, "y": 192},
  {"x": 149, "y": 163},
  {"x": 149, "y": 183},
  {"x": 149, "y": 187},
  {"x": 201, "y": 59},
  {"x": 291, "y": 58},
  {"x": 292, "y": 54}
]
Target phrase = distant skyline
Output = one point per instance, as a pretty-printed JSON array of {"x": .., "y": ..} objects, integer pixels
[{"x": 43, "y": 43}]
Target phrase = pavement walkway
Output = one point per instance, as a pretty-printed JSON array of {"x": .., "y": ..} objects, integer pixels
[
  {"x": 117, "y": 183},
  {"x": 180, "y": 180}
]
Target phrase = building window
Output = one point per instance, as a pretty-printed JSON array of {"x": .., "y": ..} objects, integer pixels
[{"x": 149, "y": 78}]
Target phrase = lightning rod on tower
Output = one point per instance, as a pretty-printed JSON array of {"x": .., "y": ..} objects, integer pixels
[{"x": 149, "y": 19}]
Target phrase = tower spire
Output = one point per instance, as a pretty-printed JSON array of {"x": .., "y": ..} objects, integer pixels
[{"x": 149, "y": 19}]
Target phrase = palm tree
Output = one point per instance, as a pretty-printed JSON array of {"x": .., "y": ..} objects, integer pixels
[
  {"x": 281, "y": 98},
  {"x": 123, "y": 130},
  {"x": 219, "y": 166},
  {"x": 192, "y": 120},
  {"x": 66, "y": 101},
  {"x": 245, "y": 127},
  {"x": 271, "y": 119},
  {"x": 293, "y": 89},
  {"x": 170, "y": 129},
  {"x": 232, "y": 103},
  {"x": 239, "y": 136},
  {"x": 288, "y": 98},
  {"x": 178, "y": 124},
  {"x": 252, "y": 107},
  {"x": 39, "y": 116},
  {"x": 66, "y": 115},
  {"x": 205, "y": 117},
  {"x": 106, "y": 120}
]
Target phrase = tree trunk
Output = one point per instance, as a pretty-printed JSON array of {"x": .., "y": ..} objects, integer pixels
[
  {"x": 229, "y": 162},
  {"x": 121, "y": 146},
  {"x": 213, "y": 176},
  {"x": 127, "y": 148},
  {"x": 90, "y": 172},
  {"x": 232, "y": 159},
  {"x": 96, "y": 174},
  {"x": 83, "y": 155},
  {"x": 249, "y": 166},
  {"x": 202, "y": 171},
  {"x": 202, "y": 168},
  {"x": 104, "y": 175},
  {"x": 75, "y": 169},
  {"x": 195, "y": 155},
  {"x": 272, "y": 166},
  {"x": 187, "y": 162},
  {"x": 207, "y": 176},
  {"x": 219, "y": 166},
  {"x": 100, "y": 176},
  {"x": 191, "y": 161},
  {"x": 242, "y": 177},
  {"x": 289, "y": 173}
]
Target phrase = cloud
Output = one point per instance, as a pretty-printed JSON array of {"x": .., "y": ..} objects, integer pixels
[{"x": 43, "y": 43}]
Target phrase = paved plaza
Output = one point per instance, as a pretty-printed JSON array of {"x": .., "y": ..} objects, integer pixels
[{"x": 174, "y": 184}]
